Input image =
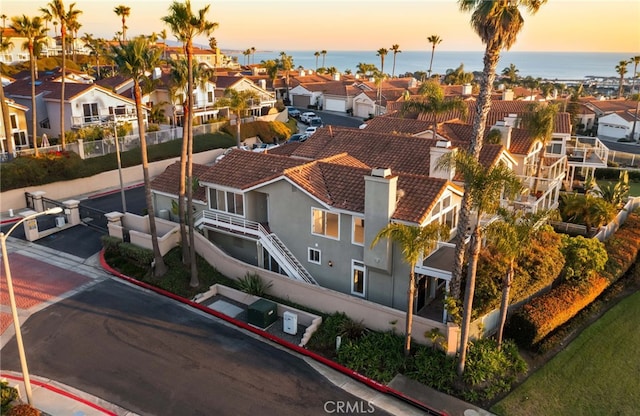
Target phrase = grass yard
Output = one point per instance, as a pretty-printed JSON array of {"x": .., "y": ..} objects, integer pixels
[{"x": 597, "y": 374}]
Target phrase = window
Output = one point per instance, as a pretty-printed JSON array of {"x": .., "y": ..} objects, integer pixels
[
  {"x": 358, "y": 231},
  {"x": 325, "y": 223},
  {"x": 20, "y": 138},
  {"x": 90, "y": 112},
  {"x": 230, "y": 202},
  {"x": 445, "y": 213},
  {"x": 209, "y": 96},
  {"x": 45, "y": 124},
  {"x": 14, "y": 121},
  {"x": 357, "y": 278},
  {"x": 554, "y": 148},
  {"x": 314, "y": 256}
]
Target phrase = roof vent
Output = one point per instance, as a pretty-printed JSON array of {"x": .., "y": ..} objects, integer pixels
[{"x": 381, "y": 172}]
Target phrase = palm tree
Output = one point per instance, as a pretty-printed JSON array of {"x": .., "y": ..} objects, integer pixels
[
  {"x": 163, "y": 36},
  {"x": 253, "y": 54},
  {"x": 540, "y": 122},
  {"x": 34, "y": 31},
  {"x": 382, "y": 52},
  {"x": 484, "y": 188},
  {"x": 511, "y": 236},
  {"x": 92, "y": 44},
  {"x": 124, "y": 12},
  {"x": 415, "y": 242},
  {"x": 286, "y": 65},
  {"x": 272, "y": 68},
  {"x": 433, "y": 40},
  {"x": 324, "y": 54},
  {"x": 57, "y": 11},
  {"x": 591, "y": 210},
  {"x": 317, "y": 55},
  {"x": 497, "y": 24},
  {"x": 635, "y": 61},
  {"x": 74, "y": 26},
  {"x": 135, "y": 58},
  {"x": 511, "y": 73},
  {"x": 396, "y": 50},
  {"x": 186, "y": 26},
  {"x": 434, "y": 103},
  {"x": 4, "y": 19},
  {"x": 635, "y": 97},
  {"x": 238, "y": 102},
  {"x": 621, "y": 69}
]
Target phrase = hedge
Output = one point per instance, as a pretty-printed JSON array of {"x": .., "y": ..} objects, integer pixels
[{"x": 542, "y": 315}]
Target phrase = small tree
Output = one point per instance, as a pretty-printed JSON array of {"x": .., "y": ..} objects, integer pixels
[{"x": 583, "y": 257}]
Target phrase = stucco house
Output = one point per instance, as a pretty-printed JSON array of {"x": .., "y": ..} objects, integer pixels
[
  {"x": 19, "y": 138},
  {"x": 619, "y": 125}
]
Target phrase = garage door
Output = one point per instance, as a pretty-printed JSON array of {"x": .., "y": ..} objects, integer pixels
[
  {"x": 362, "y": 110},
  {"x": 301, "y": 101},
  {"x": 331, "y": 104}
]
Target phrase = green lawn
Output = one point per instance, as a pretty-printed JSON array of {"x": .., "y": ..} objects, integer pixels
[{"x": 597, "y": 374}]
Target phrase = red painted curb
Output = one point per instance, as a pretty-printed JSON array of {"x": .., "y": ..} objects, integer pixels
[
  {"x": 63, "y": 393},
  {"x": 347, "y": 371}
]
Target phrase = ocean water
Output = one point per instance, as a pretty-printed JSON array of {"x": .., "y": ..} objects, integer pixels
[{"x": 545, "y": 65}]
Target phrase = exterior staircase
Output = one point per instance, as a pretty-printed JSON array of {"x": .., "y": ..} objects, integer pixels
[{"x": 276, "y": 248}]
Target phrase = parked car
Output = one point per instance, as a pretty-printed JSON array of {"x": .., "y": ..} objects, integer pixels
[
  {"x": 293, "y": 112},
  {"x": 263, "y": 147},
  {"x": 227, "y": 151},
  {"x": 310, "y": 130},
  {"x": 316, "y": 122},
  {"x": 298, "y": 137},
  {"x": 306, "y": 116}
]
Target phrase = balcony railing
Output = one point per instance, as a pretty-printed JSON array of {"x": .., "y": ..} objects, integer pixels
[{"x": 587, "y": 151}]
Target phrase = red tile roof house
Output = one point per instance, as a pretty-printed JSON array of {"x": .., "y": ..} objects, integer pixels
[
  {"x": 324, "y": 200},
  {"x": 85, "y": 103}
]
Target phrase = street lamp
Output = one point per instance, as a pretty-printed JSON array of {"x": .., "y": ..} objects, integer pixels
[
  {"x": 12, "y": 298},
  {"x": 115, "y": 134}
]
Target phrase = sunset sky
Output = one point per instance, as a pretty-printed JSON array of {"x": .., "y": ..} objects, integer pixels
[{"x": 289, "y": 25}]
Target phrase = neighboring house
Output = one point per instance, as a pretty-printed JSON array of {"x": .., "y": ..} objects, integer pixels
[
  {"x": 85, "y": 104},
  {"x": 619, "y": 125},
  {"x": 266, "y": 99},
  {"x": 209, "y": 57},
  {"x": 19, "y": 137},
  {"x": 14, "y": 53}
]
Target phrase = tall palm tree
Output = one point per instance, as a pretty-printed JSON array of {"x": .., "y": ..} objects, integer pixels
[
  {"x": 186, "y": 25},
  {"x": 498, "y": 24},
  {"x": 286, "y": 65},
  {"x": 74, "y": 26},
  {"x": 414, "y": 242},
  {"x": 34, "y": 31},
  {"x": 135, "y": 59},
  {"x": 587, "y": 208},
  {"x": 94, "y": 46},
  {"x": 635, "y": 60},
  {"x": 253, "y": 55},
  {"x": 317, "y": 55},
  {"x": 396, "y": 50},
  {"x": 484, "y": 188},
  {"x": 434, "y": 40},
  {"x": 621, "y": 69},
  {"x": 324, "y": 54},
  {"x": 57, "y": 11},
  {"x": 238, "y": 102},
  {"x": 540, "y": 122},
  {"x": 511, "y": 236},
  {"x": 635, "y": 97},
  {"x": 382, "y": 53},
  {"x": 4, "y": 19},
  {"x": 434, "y": 103},
  {"x": 163, "y": 36},
  {"x": 124, "y": 12},
  {"x": 272, "y": 68}
]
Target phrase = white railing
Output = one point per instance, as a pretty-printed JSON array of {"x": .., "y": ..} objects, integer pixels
[
  {"x": 588, "y": 151},
  {"x": 270, "y": 241}
]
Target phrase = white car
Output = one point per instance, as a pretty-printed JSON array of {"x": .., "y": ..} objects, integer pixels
[
  {"x": 310, "y": 130},
  {"x": 306, "y": 116},
  {"x": 226, "y": 152},
  {"x": 263, "y": 147}
]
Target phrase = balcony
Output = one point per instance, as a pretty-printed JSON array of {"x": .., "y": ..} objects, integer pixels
[
  {"x": 587, "y": 152},
  {"x": 105, "y": 115}
]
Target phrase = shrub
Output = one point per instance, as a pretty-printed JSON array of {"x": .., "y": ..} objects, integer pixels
[
  {"x": 583, "y": 257},
  {"x": 253, "y": 284},
  {"x": 23, "y": 410},
  {"x": 142, "y": 257},
  {"x": 110, "y": 244},
  {"x": 323, "y": 341},
  {"x": 376, "y": 355},
  {"x": 9, "y": 394}
]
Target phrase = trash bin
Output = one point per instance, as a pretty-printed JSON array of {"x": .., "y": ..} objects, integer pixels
[{"x": 60, "y": 221}]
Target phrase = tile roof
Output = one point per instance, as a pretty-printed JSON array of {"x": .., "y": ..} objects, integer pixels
[
  {"x": 241, "y": 169},
  {"x": 521, "y": 140},
  {"x": 168, "y": 181},
  {"x": 612, "y": 106},
  {"x": 397, "y": 125}
]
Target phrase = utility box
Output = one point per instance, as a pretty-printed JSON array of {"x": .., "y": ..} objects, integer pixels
[
  {"x": 60, "y": 221},
  {"x": 290, "y": 323},
  {"x": 262, "y": 313}
]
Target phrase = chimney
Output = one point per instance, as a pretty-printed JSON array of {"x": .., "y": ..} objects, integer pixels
[
  {"x": 505, "y": 133},
  {"x": 380, "y": 198},
  {"x": 507, "y": 95},
  {"x": 302, "y": 73},
  {"x": 467, "y": 89},
  {"x": 441, "y": 148},
  {"x": 336, "y": 76},
  {"x": 263, "y": 84},
  {"x": 511, "y": 120},
  {"x": 413, "y": 82}
]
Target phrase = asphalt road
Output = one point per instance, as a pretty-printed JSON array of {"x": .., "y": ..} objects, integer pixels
[{"x": 154, "y": 356}]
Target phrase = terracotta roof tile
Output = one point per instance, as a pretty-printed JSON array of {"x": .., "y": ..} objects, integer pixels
[{"x": 168, "y": 181}]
